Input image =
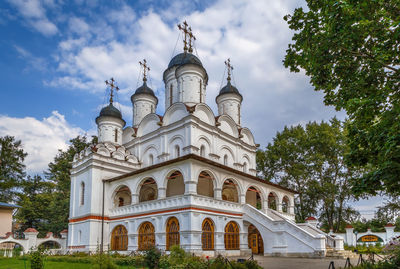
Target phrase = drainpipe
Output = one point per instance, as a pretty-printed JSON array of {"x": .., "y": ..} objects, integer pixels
[{"x": 102, "y": 222}]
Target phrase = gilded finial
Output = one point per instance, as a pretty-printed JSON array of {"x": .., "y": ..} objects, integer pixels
[
  {"x": 113, "y": 87},
  {"x": 146, "y": 69},
  {"x": 187, "y": 35},
  {"x": 230, "y": 68}
]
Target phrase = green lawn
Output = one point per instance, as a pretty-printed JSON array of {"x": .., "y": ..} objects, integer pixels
[{"x": 13, "y": 263}]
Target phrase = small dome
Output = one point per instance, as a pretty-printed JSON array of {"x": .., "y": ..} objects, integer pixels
[
  {"x": 110, "y": 111},
  {"x": 184, "y": 58},
  {"x": 229, "y": 88},
  {"x": 144, "y": 89}
]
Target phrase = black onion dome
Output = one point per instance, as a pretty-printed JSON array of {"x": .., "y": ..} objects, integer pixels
[
  {"x": 229, "y": 88},
  {"x": 110, "y": 111},
  {"x": 144, "y": 89},
  {"x": 184, "y": 58}
]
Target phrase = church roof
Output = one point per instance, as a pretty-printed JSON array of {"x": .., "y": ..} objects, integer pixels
[
  {"x": 110, "y": 111},
  {"x": 184, "y": 58},
  {"x": 144, "y": 89},
  {"x": 229, "y": 88}
]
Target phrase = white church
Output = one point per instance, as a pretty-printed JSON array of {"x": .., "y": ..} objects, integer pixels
[{"x": 187, "y": 177}]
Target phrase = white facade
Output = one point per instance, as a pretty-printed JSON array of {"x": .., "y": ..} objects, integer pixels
[{"x": 187, "y": 164}]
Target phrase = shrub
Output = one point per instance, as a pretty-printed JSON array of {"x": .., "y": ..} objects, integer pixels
[
  {"x": 152, "y": 258},
  {"x": 103, "y": 261},
  {"x": 37, "y": 259}
]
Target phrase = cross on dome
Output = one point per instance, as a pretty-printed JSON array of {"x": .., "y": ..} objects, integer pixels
[
  {"x": 230, "y": 68},
  {"x": 112, "y": 86},
  {"x": 146, "y": 69},
  {"x": 187, "y": 35}
]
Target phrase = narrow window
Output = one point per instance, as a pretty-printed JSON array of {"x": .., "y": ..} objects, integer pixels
[
  {"x": 201, "y": 93},
  {"x": 177, "y": 151},
  {"x": 79, "y": 237},
  {"x": 170, "y": 95},
  {"x": 82, "y": 193},
  {"x": 151, "y": 159},
  {"x": 202, "y": 151},
  {"x": 226, "y": 160},
  {"x": 245, "y": 167},
  {"x": 116, "y": 135}
]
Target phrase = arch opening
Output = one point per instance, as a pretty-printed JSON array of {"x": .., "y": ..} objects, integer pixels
[
  {"x": 255, "y": 241},
  {"x": 148, "y": 190},
  {"x": 253, "y": 197},
  {"x": 50, "y": 245},
  {"x": 172, "y": 231},
  {"x": 119, "y": 238},
  {"x": 175, "y": 184},
  {"x": 147, "y": 237},
  {"x": 285, "y": 204},
  {"x": 122, "y": 196},
  {"x": 229, "y": 191},
  {"x": 207, "y": 235},
  {"x": 205, "y": 184},
  {"x": 272, "y": 201},
  {"x": 231, "y": 236}
]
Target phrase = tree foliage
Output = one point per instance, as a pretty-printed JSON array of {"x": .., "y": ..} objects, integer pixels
[
  {"x": 12, "y": 168},
  {"x": 310, "y": 160},
  {"x": 350, "y": 50}
]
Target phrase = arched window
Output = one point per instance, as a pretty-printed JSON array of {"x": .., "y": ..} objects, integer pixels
[
  {"x": 172, "y": 232},
  {"x": 79, "y": 237},
  {"x": 207, "y": 235},
  {"x": 177, "y": 151},
  {"x": 202, "y": 151},
  {"x": 146, "y": 236},
  {"x": 175, "y": 184},
  {"x": 205, "y": 185},
  {"x": 231, "y": 236},
  {"x": 151, "y": 159},
  {"x": 82, "y": 193},
  {"x": 229, "y": 191},
  {"x": 272, "y": 204},
  {"x": 148, "y": 190},
  {"x": 119, "y": 238},
  {"x": 122, "y": 196},
  {"x": 225, "y": 159},
  {"x": 245, "y": 167},
  {"x": 285, "y": 204},
  {"x": 116, "y": 135},
  {"x": 253, "y": 197}
]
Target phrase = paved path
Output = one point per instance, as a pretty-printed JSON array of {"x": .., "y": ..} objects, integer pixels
[{"x": 299, "y": 263}]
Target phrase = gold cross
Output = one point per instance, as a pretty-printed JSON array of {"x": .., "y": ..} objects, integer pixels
[
  {"x": 187, "y": 34},
  {"x": 230, "y": 68},
  {"x": 191, "y": 36},
  {"x": 112, "y": 85},
  {"x": 146, "y": 69}
]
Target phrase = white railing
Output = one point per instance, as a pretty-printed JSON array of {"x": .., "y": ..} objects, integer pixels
[{"x": 182, "y": 201}]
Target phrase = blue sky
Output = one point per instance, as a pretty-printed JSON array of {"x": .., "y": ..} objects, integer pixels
[{"x": 55, "y": 56}]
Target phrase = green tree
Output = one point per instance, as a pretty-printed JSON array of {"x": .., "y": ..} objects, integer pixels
[
  {"x": 34, "y": 197},
  {"x": 310, "y": 160},
  {"x": 350, "y": 50},
  {"x": 12, "y": 168},
  {"x": 59, "y": 174}
]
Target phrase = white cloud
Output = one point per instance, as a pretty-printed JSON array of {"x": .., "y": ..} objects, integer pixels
[
  {"x": 41, "y": 139},
  {"x": 32, "y": 61},
  {"x": 35, "y": 15}
]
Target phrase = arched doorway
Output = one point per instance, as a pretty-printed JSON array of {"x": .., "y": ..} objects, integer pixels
[
  {"x": 285, "y": 204},
  {"x": 205, "y": 185},
  {"x": 148, "y": 190},
  {"x": 255, "y": 241},
  {"x": 207, "y": 235},
  {"x": 173, "y": 237},
  {"x": 175, "y": 184},
  {"x": 122, "y": 196},
  {"x": 231, "y": 236},
  {"x": 146, "y": 236},
  {"x": 229, "y": 191},
  {"x": 253, "y": 197},
  {"x": 272, "y": 201},
  {"x": 50, "y": 245},
  {"x": 119, "y": 238}
]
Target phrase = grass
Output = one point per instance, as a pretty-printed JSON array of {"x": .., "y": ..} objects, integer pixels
[{"x": 14, "y": 263}]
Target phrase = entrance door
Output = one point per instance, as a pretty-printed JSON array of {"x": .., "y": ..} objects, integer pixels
[{"x": 254, "y": 243}]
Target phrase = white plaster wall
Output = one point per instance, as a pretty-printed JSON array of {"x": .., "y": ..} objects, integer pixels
[
  {"x": 229, "y": 104},
  {"x": 106, "y": 129},
  {"x": 143, "y": 104}
]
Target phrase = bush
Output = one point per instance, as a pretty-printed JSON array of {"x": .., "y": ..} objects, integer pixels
[
  {"x": 37, "y": 259},
  {"x": 103, "y": 261},
  {"x": 152, "y": 258}
]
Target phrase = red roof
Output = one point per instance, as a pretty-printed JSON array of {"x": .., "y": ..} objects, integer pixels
[
  {"x": 65, "y": 231},
  {"x": 311, "y": 218},
  {"x": 31, "y": 230},
  {"x": 390, "y": 225},
  {"x": 349, "y": 226}
]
